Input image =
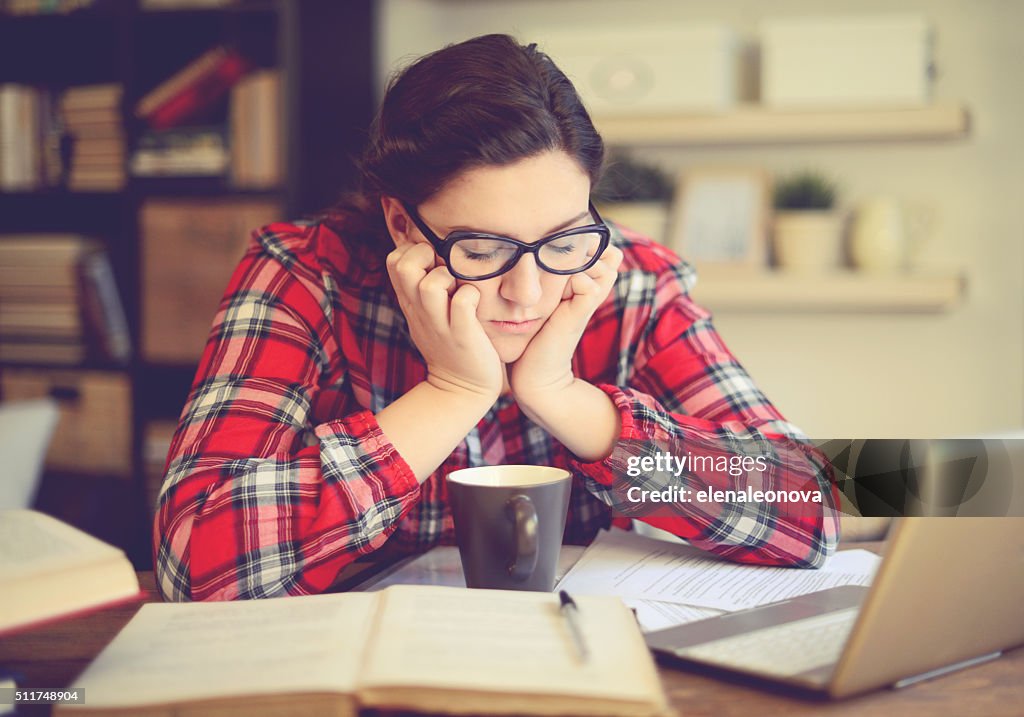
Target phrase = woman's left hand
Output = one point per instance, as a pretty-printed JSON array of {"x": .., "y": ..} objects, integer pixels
[{"x": 546, "y": 365}]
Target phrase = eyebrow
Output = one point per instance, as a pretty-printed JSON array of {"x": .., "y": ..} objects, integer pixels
[{"x": 553, "y": 230}]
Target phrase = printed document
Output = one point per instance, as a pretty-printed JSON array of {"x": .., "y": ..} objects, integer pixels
[{"x": 639, "y": 568}]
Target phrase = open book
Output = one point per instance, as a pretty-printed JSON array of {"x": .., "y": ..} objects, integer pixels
[
  {"x": 49, "y": 569},
  {"x": 428, "y": 648}
]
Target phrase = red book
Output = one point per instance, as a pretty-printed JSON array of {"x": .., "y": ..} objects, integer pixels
[{"x": 193, "y": 89}]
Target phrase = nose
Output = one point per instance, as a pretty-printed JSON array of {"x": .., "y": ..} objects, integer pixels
[{"x": 521, "y": 284}]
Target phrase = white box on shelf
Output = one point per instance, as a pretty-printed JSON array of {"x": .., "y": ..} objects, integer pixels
[
  {"x": 648, "y": 69},
  {"x": 868, "y": 60}
]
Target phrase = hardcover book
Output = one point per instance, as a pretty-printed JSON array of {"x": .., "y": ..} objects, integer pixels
[
  {"x": 427, "y": 648},
  {"x": 50, "y": 569}
]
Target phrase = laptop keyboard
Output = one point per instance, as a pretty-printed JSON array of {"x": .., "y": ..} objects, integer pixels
[{"x": 781, "y": 650}]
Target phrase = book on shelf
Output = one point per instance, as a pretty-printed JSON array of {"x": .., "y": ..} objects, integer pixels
[
  {"x": 108, "y": 115},
  {"x": 91, "y": 116},
  {"x": 256, "y": 130},
  {"x": 184, "y": 151},
  {"x": 45, "y": 7},
  {"x": 59, "y": 301},
  {"x": 428, "y": 648},
  {"x": 105, "y": 320},
  {"x": 45, "y": 135},
  {"x": 49, "y": 569},
  {"x": 27, "y": 351},
  {"x": 20, "y": 168},
  {"x": 92, "y": 97},
  {"x": 193, "y": 89},
  {"x": 38, "y": 320}
]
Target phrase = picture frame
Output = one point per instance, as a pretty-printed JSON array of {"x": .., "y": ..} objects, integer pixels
[{"x": 720, "y": 217}]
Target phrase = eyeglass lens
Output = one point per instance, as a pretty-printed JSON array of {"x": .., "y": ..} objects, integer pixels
[{"x": 474, "y": 257}]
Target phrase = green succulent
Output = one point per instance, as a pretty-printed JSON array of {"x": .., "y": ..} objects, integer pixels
[{"x": 803, "y": 191}]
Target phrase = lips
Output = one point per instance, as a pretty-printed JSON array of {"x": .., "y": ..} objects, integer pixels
[{"x": 516, "y": 327}]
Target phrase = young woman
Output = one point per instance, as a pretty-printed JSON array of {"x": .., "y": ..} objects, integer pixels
[{"x": 469, "y": 307}]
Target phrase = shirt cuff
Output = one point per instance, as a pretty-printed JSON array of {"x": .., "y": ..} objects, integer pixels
[{"x": 358, "y": 447}]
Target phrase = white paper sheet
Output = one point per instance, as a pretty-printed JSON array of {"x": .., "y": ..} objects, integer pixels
[
  {"x": 630, "y": 566},
  {"x": 655, "y": 615}
]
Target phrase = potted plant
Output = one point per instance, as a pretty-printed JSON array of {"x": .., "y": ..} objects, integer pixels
[
  {"x": 807, "y": 229},
  {"x": 635, "y": 195}
]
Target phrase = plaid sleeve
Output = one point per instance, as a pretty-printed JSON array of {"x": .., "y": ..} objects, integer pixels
[
  {"x": 257, "y": 502},
  {"x": 686, "y": 393}
]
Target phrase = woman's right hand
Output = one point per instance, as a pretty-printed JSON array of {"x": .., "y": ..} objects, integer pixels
[{"x": 443, "y": 323}]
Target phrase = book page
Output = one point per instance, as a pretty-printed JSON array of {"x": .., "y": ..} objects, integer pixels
[
  {"x": 32, "y": 543},
  {"x": 181, "y": 652},
  {"x": 632, "y": 566},
  {"x": 442, "y": 565},
  {"x": 507, "y": 642}
]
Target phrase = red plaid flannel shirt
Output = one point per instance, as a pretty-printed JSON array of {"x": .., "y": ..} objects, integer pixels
[{"x": 279, "y": 475}]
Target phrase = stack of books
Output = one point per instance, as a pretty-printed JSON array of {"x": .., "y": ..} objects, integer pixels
[
  {"x": 183, "y": 152},
  {"x": 92, "y": 117},
  {"x": 59, "y": 302},
  {"x": 217, "y": 116}
]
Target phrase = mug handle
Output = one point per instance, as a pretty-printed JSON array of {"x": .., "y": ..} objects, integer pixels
[{"x": 523, "y": 514}]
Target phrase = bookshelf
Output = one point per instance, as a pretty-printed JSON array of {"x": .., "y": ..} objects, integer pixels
[
  {"x": 754, "y": 125},
  {"x": 835, "y": 292},
  {"x": 322, "y": 51}
]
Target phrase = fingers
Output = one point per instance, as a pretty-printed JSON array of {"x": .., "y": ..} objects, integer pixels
[
  {"x": 407, "y": 266},
  {"x": 434, "y": 292},
  {"x": 609, "y": 262},
  {"x": 464, "y": 304},
  {"x": 596, "y": 281}
]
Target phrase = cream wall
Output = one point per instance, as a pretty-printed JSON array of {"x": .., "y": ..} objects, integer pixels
[{"x": 845, "y": 375}]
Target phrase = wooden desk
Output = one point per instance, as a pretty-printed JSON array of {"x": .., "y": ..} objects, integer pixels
[{"x": 54, "y": 655}]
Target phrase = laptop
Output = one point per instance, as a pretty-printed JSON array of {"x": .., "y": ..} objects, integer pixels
[{"x": 947, "y": 595}]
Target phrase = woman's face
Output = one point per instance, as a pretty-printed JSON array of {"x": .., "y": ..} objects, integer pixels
[{"x": 527, "y": 200}]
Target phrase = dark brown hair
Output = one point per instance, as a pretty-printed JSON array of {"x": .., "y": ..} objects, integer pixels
[{"x": 488, "y": 101}]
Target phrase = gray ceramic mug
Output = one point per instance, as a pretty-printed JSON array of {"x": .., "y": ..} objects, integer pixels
[{"x": 509, "y": 522}]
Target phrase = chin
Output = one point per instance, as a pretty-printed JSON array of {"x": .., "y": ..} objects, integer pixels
[{"x": 510, "y": 349}]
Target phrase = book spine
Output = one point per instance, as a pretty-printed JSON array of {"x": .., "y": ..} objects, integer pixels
[
  {"x": 180, "y": 80},
  {"x": 12, "y": 137},
  {"x": 104, "y": 311},
  {"x": 200, "y": 95}
]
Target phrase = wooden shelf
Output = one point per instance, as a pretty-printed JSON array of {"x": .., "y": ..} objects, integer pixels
[
  {"x": 757, "y": 125},
  {"x": 835, "y": 292}
]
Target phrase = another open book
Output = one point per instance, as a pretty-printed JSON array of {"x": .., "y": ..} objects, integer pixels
[
  {"x": 428, "y": 648},
  {"x": 49, "y": 569}
]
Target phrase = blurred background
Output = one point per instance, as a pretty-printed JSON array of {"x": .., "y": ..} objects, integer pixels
[{"x": 846, "y": 176}]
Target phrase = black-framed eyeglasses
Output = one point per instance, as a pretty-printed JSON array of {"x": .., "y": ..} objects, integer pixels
[{"x": 475, "y": 256}]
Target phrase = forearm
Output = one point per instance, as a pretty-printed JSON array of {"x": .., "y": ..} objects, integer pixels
[
  {"x": 798, "y": 533},
  {"x": 315, "y": 510},
  {"x": 582, "y": 417},
  {"x": 427, "y": 423}
]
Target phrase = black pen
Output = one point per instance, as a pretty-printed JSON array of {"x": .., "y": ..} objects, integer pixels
[{"x": 570, "y": 613}]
